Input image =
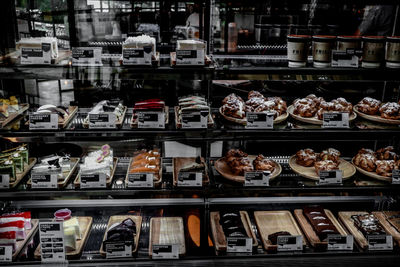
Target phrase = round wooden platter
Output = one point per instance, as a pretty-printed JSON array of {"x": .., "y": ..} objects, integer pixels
[
  {"x": 243, "y": 121},
  {"x": 223, "y": 168},
  {"x": 313, "y": 120},
  {"x": 372, "y": 174},
  {"x": 375, "y": 118},
  {"x": 309, "y": 172}
]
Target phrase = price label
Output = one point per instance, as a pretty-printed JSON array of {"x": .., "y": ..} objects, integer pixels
[
  {"x": 239, "y": 245},
  {"x": 102, "y": 121},
  {"x": 190, "y": 179},
  {"x": 36, "y": 55},
  {"x": 339, "y": 242},
  {"x": 290, "y": 243},
  {"x": 168, "y": 251},
  {"x": 136, "y": 180},
  {"x": 151, "y": 119},
  {"x": 40, "y": 181},
  {"x": 380, "y": 242},
  {"x": 259, "y": 120},
  {"x": 4, "y": 181},
  {"x": 335, "y": 120},
  {"x": 195, "y": 119},
  {"x": 43, "y": 121},
  {"x": 334, "y": 177},
  {"x": 396, "y": 177},
  {"x": 257, "y": 178},
  {"x": 137, "y": 56},
  {"x": 52, "y": 241},
  {"x": 93, "y": 180},
  {"x": 345, "y": 59},
  {"x": 5, "y": 253},
  {"x": 86, "y": 56},
  {"x": 118, "y": 249},
  {"x": 190, "y": 57}
]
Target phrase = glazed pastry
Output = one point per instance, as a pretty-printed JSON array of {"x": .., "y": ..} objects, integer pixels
[
  {"x": 368, "y": 224},
  {"x": 320, "y": 222},
  {"x": 241, "y": 165},
  {"x": 232, "y": 97},
  {"x": 305, "y": 107},
  {"x": 330, "y": 154},
  {"x": 366, "y": 160},
  {"x": 317, "y": 100},
  {"x": 386, "y": 153},
  {"x": 337, "y": 105},
  {"x": 232, "y": 224},
  {"x": 233, "y": 106},
  {"x": 263, "y": 164},
  {"x": 146, "y": 161},
  {"x": 255, "y": 94},
  {"x": 325, "y": 165},
  {"x": 369, "y": 105},
  {"x": 390, "y": 110},
  {"x": 385, "y": 167},
  {"x": 236, "y": 153},
  {"x": 306, "y": 157}
]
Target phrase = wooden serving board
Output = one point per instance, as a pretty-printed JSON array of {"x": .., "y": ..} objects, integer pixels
[
  {"x": 313, "y": 120},
  {"x": 118, "y": 123},
  {"x": 372, "y": 174},
  {"x": 20, "y": 176},
  {"x": 375, "y": 118},
  {"x": 12, "y": 116},
  {"x": 85, "y": 224},
  {"x": 178, "y": 120},
  {"x": 178, "y": 163},
  {"x": 309, "y": 232},
  {"x": 167, "y": 230},
  {"x": 387, "y": 226},
  {"x": 119, "y": 219},
  {"x": 29, "y": 233},
  {"x": 243, "y": 121},
  {"x": 309, "y": 172},
  {"x": 269, "y": 222},
  {"x": 134, "y": 122},
  {"x": 156, "y": 180},
  {"x": 218, "y": 234},
  {"x": 77, "y": 182},
  {"x": 67, "y": 175},
  {"x": 223, "y": 168}
]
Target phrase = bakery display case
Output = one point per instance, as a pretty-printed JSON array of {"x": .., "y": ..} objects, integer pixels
[{"x": 195, "y": 133}]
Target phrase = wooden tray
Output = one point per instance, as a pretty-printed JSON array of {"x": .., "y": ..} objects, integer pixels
[
  {"x": 67, "y": 176},
  {"x": 77, "y": 182},
  {"x": 85, "y": 224},
  {"x": 309, "y": 172},
  {"x": 175, "y": 227},
  {"x": 156, "y": 182},
  {"x": 178, "y": 121},
  {"x": 64, "y": 123},
  {"x": 372, "y": 174},
  {"x": 309, "y": 232},
  {"x": 134, "y": 122},
  {"x": 313, "y": 120},
  {"x": 118, "y": 123},
  {"x": 269, "y": 222},
  {"x": 177, "y": 164},
  {"x": 20, "y": 176},
  {"x": 223, "y": 168},
  {"x": 29, "y": 233},
  {"x": 119, "y": 219},
  {"x": 243, "y": 121},
  {"x": 375, "y": 118},
  {"x": 12, "y": 116},
  {"x": 387, "y": 226},
  {"x": 207, "y": 61},
  {"x": 218, "y": 234}
]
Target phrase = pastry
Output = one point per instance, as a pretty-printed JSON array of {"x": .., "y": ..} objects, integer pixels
[
  {"x": 53, "y": 164},
  {"x": 305, "y": 107},
  {"x": 8, "y": 106},
  {"x": 107, "y": 106},
  {"x": 306, "y": 157},
  {"x": 232, "y": 224},
  {"x": 124, "y": 231},
  {"x": 366, "y": 160},
  {"x": 385, "y": 167},
  {"x": 390, "y": 110},
  {"x": 239, "y": 162},
  {"x": 233, "y": 106},
  {"x": 368, "y": 224},
  {"x": 337, "y": 105},
  {"x": 386, "y": 153},
  {"x": 261, "y": 163},
  {"x": 325, "y": 165},
  {"x": 320, "y": 222},
  {"x": 98, "y": 161},
  {"x": 255, "y": 94},
  {"x": 369, "y": 105},
  {"x": 142, "y": 41},
  {"x": 146, "y": 161},
  {"x": 8, "y": 239},
  {"x": 329, "y": 154}
]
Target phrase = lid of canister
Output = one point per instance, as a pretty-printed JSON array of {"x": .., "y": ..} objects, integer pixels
[
  {"x": 374, "y": 39},
  {"x": 298, "y": 37},
  {"x": 326, "y": 38},
  {"x": 393, "y": 39},
  {"x": 349, "y": 38}
]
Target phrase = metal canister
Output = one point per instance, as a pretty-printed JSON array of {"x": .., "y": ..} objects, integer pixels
[
  {"x": 322, "y": 50},
  {"x": 348, "y": 42},
  {"x": 297, "y": 50},
  {"x": 392, "y": 55},
  {"x": 373, "y": 51}
]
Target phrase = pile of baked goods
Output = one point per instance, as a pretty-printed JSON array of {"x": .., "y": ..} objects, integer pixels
[
  {"x": 239, "y": 162},
  {"x": 146, "y": 161},
  {"x": 371, "y": 106},
  {"x": 383, "y": 161},
  {"x": 327, "y": 160}
]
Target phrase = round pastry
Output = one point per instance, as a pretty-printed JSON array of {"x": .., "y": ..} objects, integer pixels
[
  {"x": 306, "y": 157},
  {"x": 255, "y": 94},
  {"x": 366, "y": 161},
  {"x": 385, "y": 167},
  {"x": 330, "y": 154},
  {"x": 390, "y": 110},
  {"x": 232, "y": 97},
  {"x": 342, "y": 105},
  {"x": 263, "y": 164},
  {"x": 386, "y": 153},
  {"x": 325, "y": 165},
  {"x": 369, "y": 105},
  {"x": 304, "y": 107}
]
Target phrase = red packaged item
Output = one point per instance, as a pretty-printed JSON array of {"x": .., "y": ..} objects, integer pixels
[
  {"x": 8, "y": 239},
  {"x": 150, "y": 104},
  {"x": 15, "y": 226},
  {"x": 10, "y": 217}
]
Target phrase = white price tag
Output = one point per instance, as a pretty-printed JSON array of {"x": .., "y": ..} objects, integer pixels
[
  {"x": 334, "y": 177},
  {"x": 86, "y": 56},
  {"x": 93, "y": 180},
  {"x": 190, "y": 57},
  {"x": 43, "y": 121},
  {"x": 5, "y": 253},
  {"x": 151, "y": 119},
  {"x": 380, "y": 242},
  {"x": 290, "y": 243},
  {"x": 345, "y": 59},
  {"x": 44, "y": 181},
  {"x": 167, "y": 251},
  {"x": 190, "y": 179},
  {"x": 239, "y": 245},
  {"x": 52, "y": 247},
  {"x": 118, "y": 249},
  {"x": 396, "y": 177},
  {"x": 339, "y": 242},
  {"x": 4, "y": 181},
  {"x": 137, "y": 56},
  {"x": 195, "y": 119},
  {"x": 141, "y": 180},
  {"x": 335, "y": 120},
  {"x": 259, "y": 120},
  {"x": 102, "y": 121},
  {"x": 36, "y": 55},
  {"x": 256, "y": 178}
]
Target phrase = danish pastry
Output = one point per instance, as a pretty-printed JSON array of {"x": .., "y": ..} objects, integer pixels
[
  {"x": 325, "y": 165},
  {"x": 369, "y": 105},
  {"x": 390, "y": 110},
  {"x": 263, "y": 164},
  {"x": 386, "y": 153},
  {"x": 366, "y": 161},
  {"x": 330, "y": 154},
  {"x": 385, "y": 167},
  {"x": 306, "y": 157}
]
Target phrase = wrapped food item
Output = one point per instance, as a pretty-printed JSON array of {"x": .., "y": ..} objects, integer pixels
[
  {"x": 141, "y": 41},
  {"x": 149, "y": 105},
  {"x": 190, "y": 45},
  {"x": 17, "y": 216},
  {"x": 37, "y": 42},
  {"x": 99, "y": 161},
  {"x": 107, "y": 106},
  {"x": 9, "y": 239}
]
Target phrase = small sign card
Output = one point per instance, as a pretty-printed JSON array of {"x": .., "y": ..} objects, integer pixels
[
  {"x": 259, "y": 120},
  {"x": 256, "y": 178},
  {"x": 87, "y": 56},
  {"x": 190, "y": 179},
  {"x": 118, "y": 249},
  {"x": 335, "y": 120},
  {"x": 137, "y": 56},
  {"x": 165, "y": 251},
  {"x": 195, "y": 119},
  {"x": 334, "y": 177},
  {"x": 105, "y": 120},
  {"x": 140, "y": 180},
  {"x": 239, "y": 245},
  {"x": 93, "y": 180},
  {"x": 42, "y": 181},
  {"x": 340, "y": 242},
  {"x": 396, "y": 177},
  {"x": 5, "y": 253},
  {"x": 52, "y": 241},
  {"x": 43, "y": 121},
  {"x": 380, "y": 242},
  {"x": 290, "y": 243},
  {"x": 190, "y": 57},
  {"x": 346, "y": 59},
  {"x": 151, "y": 119},
  {"x": 36, "y": 55}
]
